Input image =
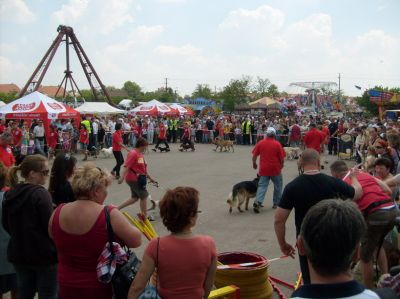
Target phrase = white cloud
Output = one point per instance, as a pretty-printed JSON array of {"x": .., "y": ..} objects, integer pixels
[
  {"x": 147, "y": 33},
  {"x": 172, "y": 1},
  {"x": 139, "y": 37},
  {"x": 267, "y": 18},
  {"x": 114, "y": 14},
  {"x": 16, "y": 11},
  {"x": 11, "y": 72},
  {"x": 71, "y": 12}
]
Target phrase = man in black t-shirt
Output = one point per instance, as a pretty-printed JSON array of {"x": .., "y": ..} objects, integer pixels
[
  {"x": 304, "y": 192},
  {"x": 333, "y": 130}
]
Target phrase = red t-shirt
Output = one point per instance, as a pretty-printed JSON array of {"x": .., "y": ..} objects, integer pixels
[
  {"x": 162, "y": 134},
  {"x": 271, "y": 156},
  {"x": 53, "y": 138},
  {"x": 372, "y": 192},
  {"x": 186, "y": 133},
  {"x": 2, "y": 129},
  {"x": 180, "y": 275},
  {"x": 326, "y": 133},
  {"x": 135, "y": 160},
  {"x": 17, "y": 136},
  {"x": 116, "y": 141},
  {"x": 295, "y": 134},
  {"x": 313, "y": 139},
  {"x": 83, "y": 136},
  {"x": 6, "y": 156}
]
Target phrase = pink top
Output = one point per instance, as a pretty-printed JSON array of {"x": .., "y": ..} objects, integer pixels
[
  {"x": 182, "y": 265},
  {"x": 78, "y": 254}
]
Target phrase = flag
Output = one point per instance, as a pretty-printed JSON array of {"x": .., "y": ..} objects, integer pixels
[
  {"x": 379, "y": 96},
  {"x": 374, "y": 95}
]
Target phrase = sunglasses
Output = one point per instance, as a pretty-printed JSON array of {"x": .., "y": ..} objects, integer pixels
[{"x": 378, "y": 147}]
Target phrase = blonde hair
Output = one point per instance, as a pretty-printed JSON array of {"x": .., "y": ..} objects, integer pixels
[
  {"x": 87, "y": 178},
  {"x": 30, "y": 163}
]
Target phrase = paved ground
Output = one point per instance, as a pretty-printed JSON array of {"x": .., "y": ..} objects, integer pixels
[{"x": 214, "y": 174}]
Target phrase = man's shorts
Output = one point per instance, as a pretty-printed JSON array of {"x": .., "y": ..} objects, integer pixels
[
  {"x": 136, "y": 191},
  {"x": 379, "y": 224}
]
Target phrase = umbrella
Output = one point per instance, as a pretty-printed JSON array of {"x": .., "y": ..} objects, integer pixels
[
  {"x": 153, "y": 108},
  {"x": 181, "y": 110}
]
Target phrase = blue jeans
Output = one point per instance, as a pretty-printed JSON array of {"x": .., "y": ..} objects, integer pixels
[
  {"x": 108, "y": 140},
  {"x": 263, "y": 187},
  {"x": 39, "y": 145},
  {"x": 41, "y": 279}
]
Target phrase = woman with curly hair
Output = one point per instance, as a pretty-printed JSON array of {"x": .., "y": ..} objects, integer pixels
[{"x": 180, "y": 276}]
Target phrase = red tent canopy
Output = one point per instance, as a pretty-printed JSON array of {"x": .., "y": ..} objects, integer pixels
[
  {"x": 38, "y": 106},
  {"x": 154, "y": 108}
]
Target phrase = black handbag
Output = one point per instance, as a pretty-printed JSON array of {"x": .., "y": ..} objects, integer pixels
[
  {"x": 124, "y": 273},
  {"x": 141, "y": 179}
]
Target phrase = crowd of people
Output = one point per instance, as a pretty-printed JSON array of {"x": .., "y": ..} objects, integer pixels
[{"x": 51, "y": 238}]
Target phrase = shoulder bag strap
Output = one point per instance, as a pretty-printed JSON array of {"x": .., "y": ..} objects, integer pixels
[{"x": 110, "y": 231}]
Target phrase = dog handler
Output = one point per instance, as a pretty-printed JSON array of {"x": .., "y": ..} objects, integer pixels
[
  {"x": 272, "y": 158},
  {"x": 136, "y": 175},
  {"x": 304, "y": 192}
]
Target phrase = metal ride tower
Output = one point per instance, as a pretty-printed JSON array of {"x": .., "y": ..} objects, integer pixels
[
  {"x": 313, "y": 87},
  {"x": 66, "y": 34}
]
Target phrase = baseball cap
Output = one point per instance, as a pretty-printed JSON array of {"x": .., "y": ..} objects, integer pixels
[{"x": 271, "y": 131}]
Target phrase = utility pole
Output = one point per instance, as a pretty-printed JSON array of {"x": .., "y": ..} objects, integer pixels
[
  {"x": 339, "y": 97},
  {"x": 166, "y": 84}
]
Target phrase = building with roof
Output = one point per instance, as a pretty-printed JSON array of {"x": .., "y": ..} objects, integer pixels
[
  {"x": 51, "y": 91},
  {"x": 9, "y": 88}
]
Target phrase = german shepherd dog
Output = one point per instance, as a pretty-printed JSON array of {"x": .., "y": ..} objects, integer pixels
[
  {"x": 241, "y": 193},
  {"x": 227, "y": 145}
]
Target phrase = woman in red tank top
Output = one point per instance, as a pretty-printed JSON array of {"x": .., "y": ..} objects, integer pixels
[{"x": 79, "y": 233}]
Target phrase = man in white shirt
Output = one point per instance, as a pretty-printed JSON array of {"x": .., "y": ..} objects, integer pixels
[
  {"x": 38, "y": 133},
  {"x": 95, "y": 127}
]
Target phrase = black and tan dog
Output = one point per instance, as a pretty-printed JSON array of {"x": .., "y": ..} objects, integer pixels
[
  {"x": 241, "y": 193},
  {"x": 227, "y": 145},
  {"x": 186, "y": 146}
]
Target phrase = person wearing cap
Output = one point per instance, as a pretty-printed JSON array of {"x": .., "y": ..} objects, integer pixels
[
  {"x": 314, "y": 138},
  {"x": 272, "y": 158}
]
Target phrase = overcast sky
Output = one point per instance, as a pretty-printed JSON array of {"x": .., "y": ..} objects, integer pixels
[{"x": 208, "y": 41}]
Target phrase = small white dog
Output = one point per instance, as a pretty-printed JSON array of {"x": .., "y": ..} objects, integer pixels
[{"x": 107, "y": 152}]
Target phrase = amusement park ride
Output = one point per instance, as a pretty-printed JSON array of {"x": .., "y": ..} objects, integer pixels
[
  {"x": 312, "y": 87},
  {"x": 66, "y": 34}
]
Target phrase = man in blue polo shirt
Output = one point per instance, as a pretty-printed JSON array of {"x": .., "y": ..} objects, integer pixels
[{"x": 330, "y": 238}]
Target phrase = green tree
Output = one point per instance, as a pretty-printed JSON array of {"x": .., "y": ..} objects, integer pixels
[
  {"x": 133, "y": 89},
  {"x": 261, "y": 87},
  {"x": 273, "y": 91},
  {"x": 8, "y": 97},
  {"x": 372, "y": 108},
  {"x": 87, "y": 94},
  {"x": 236, "y": 92},
  {"x": 202, "y": 91}
]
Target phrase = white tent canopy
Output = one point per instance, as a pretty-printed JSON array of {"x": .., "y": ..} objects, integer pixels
[
  {"x": 98, "y": 108},
  {"x": 2, "y": 104}
]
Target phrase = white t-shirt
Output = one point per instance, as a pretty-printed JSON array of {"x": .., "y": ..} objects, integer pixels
[
  {"x": 38, "y": 131},
  {"x": 95, "y": 127}
]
